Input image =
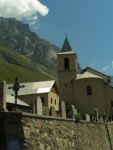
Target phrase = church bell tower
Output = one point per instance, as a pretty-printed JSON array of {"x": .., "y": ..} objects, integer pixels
[{"x": 67, "y": 72}]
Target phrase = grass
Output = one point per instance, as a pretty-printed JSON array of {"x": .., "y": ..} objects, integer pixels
[{"x": 12, "y": 65}]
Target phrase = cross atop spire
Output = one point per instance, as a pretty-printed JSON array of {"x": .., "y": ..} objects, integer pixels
[{"x": 66, "y": 46}]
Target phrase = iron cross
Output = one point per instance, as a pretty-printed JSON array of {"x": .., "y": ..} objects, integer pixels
[{"x": 16, "y": 86}]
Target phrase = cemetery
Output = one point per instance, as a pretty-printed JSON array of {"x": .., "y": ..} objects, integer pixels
[
  {"x": 85, "y": 95},
  {"x": 38, "y": 108}
]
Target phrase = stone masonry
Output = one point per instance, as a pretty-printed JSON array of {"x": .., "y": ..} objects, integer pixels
[
  {"x": 56, "y": 134},
  {"x": 33, "y": 132}
]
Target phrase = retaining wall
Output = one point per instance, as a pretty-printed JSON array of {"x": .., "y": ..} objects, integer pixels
[{"x": 31, "y": 132}]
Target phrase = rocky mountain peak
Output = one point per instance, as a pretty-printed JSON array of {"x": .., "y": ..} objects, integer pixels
[{"x": 20, "y": 38}]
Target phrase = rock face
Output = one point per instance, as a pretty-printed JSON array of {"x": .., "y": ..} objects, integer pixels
[{"x": 20, "y": 38}]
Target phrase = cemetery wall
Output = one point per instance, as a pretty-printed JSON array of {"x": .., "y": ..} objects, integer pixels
[{"x": 32, "y": 132}]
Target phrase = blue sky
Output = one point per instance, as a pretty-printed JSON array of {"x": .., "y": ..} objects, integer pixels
[{"x": 89, "y": 26}]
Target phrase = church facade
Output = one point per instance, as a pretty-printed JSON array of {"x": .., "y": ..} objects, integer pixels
[{"x": 87, "y": 90}]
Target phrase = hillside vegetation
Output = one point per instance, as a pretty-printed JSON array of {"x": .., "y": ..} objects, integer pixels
[
  {"x": 13, "y": 64},
  {"x": 25, "y": 54}
]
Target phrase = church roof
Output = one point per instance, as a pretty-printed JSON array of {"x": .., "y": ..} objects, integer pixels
[
  {"x": 87, "y": 75},
  {"x": 97, "y": 73},
  {"x": 66, "y": 46},
  {"x": 34, "y": 88},
  {"x": 11, "y": 100},
  {"x": 94, "y": 71}
]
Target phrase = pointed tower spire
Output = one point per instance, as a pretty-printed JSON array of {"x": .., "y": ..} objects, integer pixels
[{"x": 66, "y": 46}]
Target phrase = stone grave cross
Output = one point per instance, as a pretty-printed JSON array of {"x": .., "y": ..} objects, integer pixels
[{"x": 16, "y": 86}]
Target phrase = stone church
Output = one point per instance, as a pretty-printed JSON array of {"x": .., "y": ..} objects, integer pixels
[{"x": 87, "y": 90}]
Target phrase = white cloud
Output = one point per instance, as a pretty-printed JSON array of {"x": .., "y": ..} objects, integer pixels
[
  {"x": 33, "y": 23},
  {"x": 20, "y": 9},
  {"x": 105, "y": 68},
  {"x": 112, "y": 64},
  {"x": 34, "y": 18}
]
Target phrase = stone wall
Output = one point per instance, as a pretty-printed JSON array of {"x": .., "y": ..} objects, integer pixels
[
  {"x": 31, "y": 132},
  {"x": 11, "y": 131},
  {"x": 110, "y": 132},
  {"x": 57, "y": 134}
]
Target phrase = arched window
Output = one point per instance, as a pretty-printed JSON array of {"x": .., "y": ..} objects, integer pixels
[
  {"x": 66, "y": 63},
  {"x": 89, "y": 90}
]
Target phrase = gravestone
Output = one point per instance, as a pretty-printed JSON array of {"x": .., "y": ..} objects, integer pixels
[
  {"x": 96, "y": 115},
  {"x": 101, "y": 119},
  {"x": 45, "y": 110},
  {"x": 73, "y": 112},
  {"x": 39, "y": 106},
  {"x": 105, "y": 118},
  {"x": 33, "y": 108},
  {"x": 63, "y": 109},
  {"x": 87, "y": 117},
  {"x": 52, "y": 111},
  {"x": 92, "y": 118},
  {"x": 3, "y": 96}
]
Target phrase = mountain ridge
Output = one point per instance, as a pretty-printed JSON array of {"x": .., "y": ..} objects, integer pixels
[
  {"x": 19, "y": 36},
  {"x": 42, "y": 55}
]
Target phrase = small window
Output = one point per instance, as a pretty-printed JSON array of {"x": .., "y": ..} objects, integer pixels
[
  {"x": 111, "y": 103},
  {"x": 89, "y": 90},
  {"x": 65, "y": 85},
  {"x": 55, "y": 101},
  {"x": 51, "y": 100},
  {"x": 42, "y": 98},
  {"x": 66, "y": 63}
]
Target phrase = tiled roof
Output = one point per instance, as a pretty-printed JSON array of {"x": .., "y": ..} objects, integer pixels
[
  {"x": 33, "y": 88},
  {"x": 88, "y": 69},
  {"x": 87, "y": 75},
  {"x": 11, "y": 99}
]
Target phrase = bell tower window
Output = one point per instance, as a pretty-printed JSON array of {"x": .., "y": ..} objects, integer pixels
[{"x": 66, "y": 63}]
